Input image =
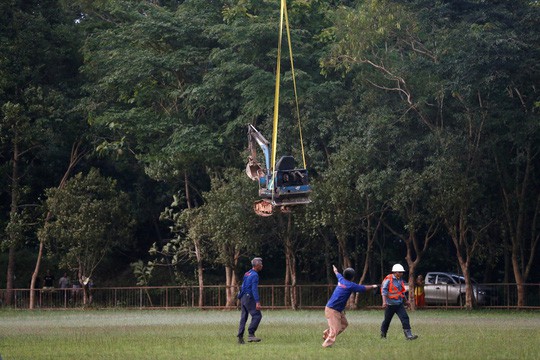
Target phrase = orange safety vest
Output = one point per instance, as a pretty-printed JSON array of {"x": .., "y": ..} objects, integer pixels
[{"x": 393, "y": 291}]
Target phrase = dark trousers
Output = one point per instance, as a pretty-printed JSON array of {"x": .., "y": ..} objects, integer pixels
[
  {"x": 249, "y": 307},
  {"x": 389, "y": 314}
]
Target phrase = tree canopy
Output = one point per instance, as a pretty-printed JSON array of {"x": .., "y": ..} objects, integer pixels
[{"x": 420, "y": 121}]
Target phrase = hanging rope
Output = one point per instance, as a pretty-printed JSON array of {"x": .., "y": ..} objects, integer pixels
[
  {"x": 284, "y": 16},
  {"x": 294, "y": 86},
  {"x": 276, "y": 93}
]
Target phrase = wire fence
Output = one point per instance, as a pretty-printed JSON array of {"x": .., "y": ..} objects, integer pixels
[{"x": 501, "y": 296}]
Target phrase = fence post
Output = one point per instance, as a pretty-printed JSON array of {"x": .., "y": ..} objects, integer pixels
[{"x": 508, "y": 296}]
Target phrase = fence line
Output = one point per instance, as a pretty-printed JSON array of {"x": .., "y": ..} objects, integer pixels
[{"x": 500, "y": 296}]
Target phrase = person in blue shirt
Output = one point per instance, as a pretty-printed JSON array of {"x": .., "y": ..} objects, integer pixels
[
  {"x": 394, "y": 301},
  {"x": 250, "y": 303},
  {"x": 335, "y": 308}
]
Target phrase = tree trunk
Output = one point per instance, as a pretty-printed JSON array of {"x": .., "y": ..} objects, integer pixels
[
  {"x": 459, "y": 239},
  {"x": 519, "y": 281},
  {"x": 291, "y": 270},
  {"x": 343, "y": 253},
  {"x": 81, "y": 275},
  {"x": 35, "y": 275},
  {"x": 234, "y": 287},
  {"x": 10, "y": 276},
  {"x": 469, "y": 296},
  {"x": 228, "y": 290},
  {"x": 75, "y": 157},
  {"x": 523, "y": 234},
  {"x": 412, "y": 284},
  {"x": 507, "y": 261},
  {"x": 286, "y": 299},
  {"x": 290, "y": 276},
  {"x": 231, "y": 283},
  {"x": 412, "y": 265},
  {"x": 200, "y": 271},
  {"x": 371, "y": 236},
  {"x": 290, "y": 267},
  {"x": 197, "y": 247},
  {"x": 328, "y": 264}
]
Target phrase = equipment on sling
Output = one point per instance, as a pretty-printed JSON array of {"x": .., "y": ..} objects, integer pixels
[
  {"x": 279, "y": 189},
  {"x": 281, "y": 185}
]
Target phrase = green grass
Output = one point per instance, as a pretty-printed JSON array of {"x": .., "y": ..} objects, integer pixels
[{"x": 193, "y": 334}]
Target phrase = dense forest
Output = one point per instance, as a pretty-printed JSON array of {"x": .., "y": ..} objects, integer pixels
[{"x": 123, "y": 139}]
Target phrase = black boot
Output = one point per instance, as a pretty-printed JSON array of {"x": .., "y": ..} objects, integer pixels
[
  {"x": 383, "y": 335},
  {"x": 409, "y": 335}
]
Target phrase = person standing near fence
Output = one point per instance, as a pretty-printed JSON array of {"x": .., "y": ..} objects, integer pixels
[
  {"x": 48, "y": 287},
  {"x": 250, "y": 303},
  {"x": 335, "y": 308},
  {"x": 419, "y": 295},
  {"x": 48, "y": 283},
  {"x": 63, "y": 283}
]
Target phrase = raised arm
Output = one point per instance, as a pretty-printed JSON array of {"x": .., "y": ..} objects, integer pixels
[{"x": 369, "y": 287}]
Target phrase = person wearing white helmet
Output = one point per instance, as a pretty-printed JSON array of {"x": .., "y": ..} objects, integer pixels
[{"x": 394, "y": 301}]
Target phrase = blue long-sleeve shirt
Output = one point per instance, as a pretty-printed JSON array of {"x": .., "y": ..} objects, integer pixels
[
  {"x": 342, "y": 292},
  {"x": 250, "y": 285}
]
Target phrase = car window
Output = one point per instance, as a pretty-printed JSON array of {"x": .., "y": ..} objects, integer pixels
[
  {"x": 430, "y": 279},
  {"x": 461, "y": 279},
  {"x": 443, "y": 279}
]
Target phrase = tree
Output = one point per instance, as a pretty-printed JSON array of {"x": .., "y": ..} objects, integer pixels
[
  {"x": 190, "y": 244},
  {"x": 142, "y": 62},
  {"x": 440, "y": 70},
  {"x": 90, "y": 218},
  {"x": 76, "y": 156},
  {"x": 37, "y": 92},
  {"x": 231, "y": 223},
  {"x": 220, "y": 231},
  {"x": 496, "y": 99},
  {"x": 513, "y": 136}
]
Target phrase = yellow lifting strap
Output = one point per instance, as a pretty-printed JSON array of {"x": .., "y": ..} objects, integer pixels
[{"x": 283, "y": 15}]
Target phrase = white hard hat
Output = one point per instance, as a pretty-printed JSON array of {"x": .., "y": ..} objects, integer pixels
[{"x": 398, "y": 268}]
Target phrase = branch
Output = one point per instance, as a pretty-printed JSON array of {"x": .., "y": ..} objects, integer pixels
[
  {"x": 521, "y": 99},
  {"x": 423, "y": 52},
  {"x": 392, "y": 89}
]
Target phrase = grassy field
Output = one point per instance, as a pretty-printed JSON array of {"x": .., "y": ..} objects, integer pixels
[{"x": 193, "y": 334}]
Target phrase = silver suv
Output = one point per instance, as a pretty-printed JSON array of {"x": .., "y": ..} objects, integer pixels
[{"x": 448, "y": 288}]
